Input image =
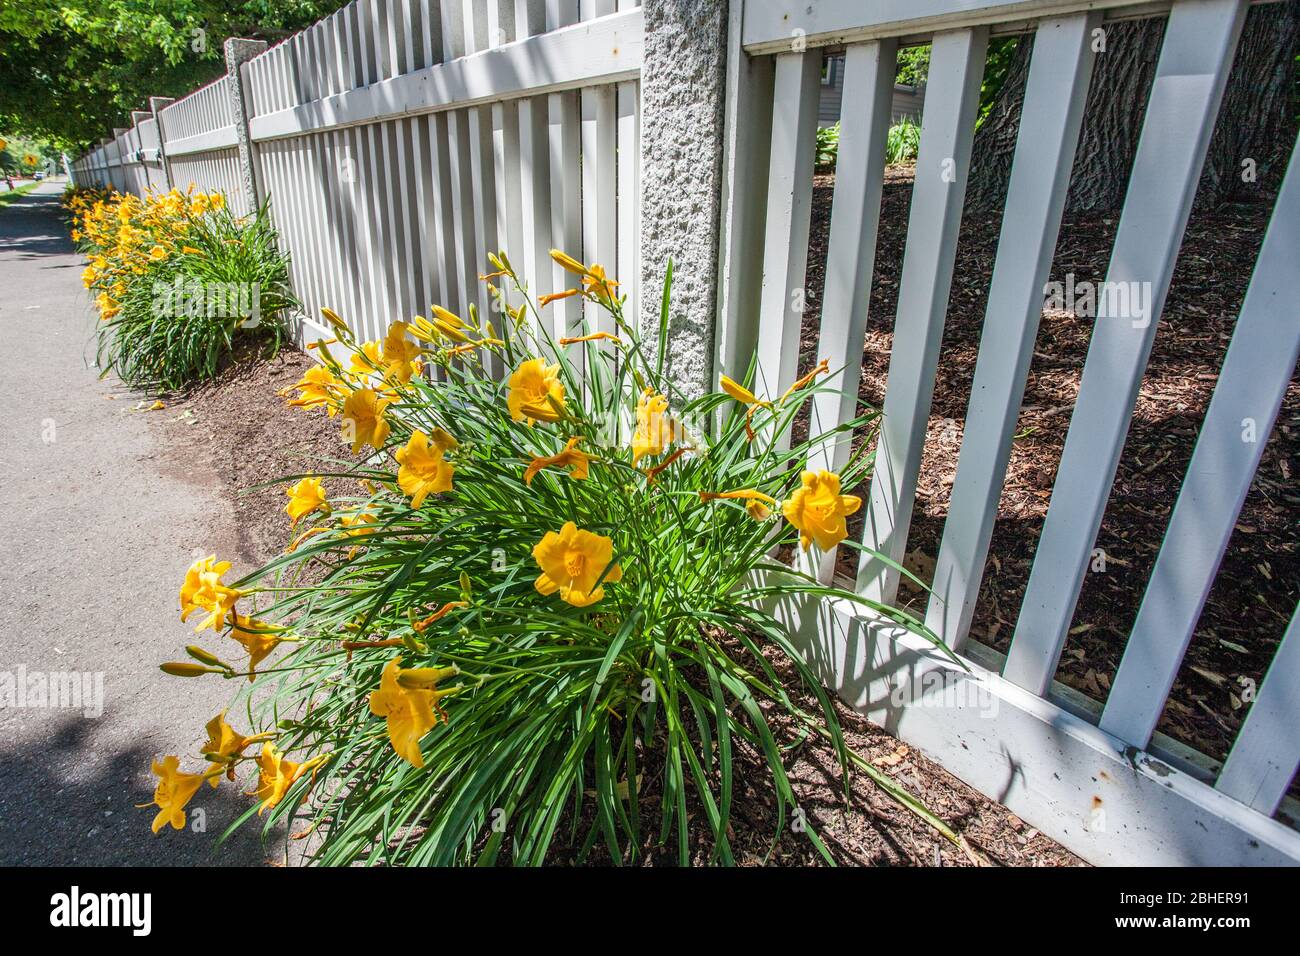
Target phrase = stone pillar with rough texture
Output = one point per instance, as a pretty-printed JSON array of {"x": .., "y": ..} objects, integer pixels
[
  {"x": 683, "y": 79},
  {"x": 238, "y": 52}
]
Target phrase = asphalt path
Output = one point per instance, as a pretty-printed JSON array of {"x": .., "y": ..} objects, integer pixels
[{"x": 100, "y": 520}]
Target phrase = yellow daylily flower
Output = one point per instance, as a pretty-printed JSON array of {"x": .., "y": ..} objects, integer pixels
[
  {"x": 203, "y": 590},
  {"x": 593, "y": 337},
  {"x": 367, "y": 359},
  {"x": 158, "y": 253},
  {"x": 257, "y": 637},
  {"x": 572, "y": 562},
  {"x": 279, "y": 773},
  {"x": 318, "y": 386},
  {"x": 555, "y": 297},
  {"x": 224, "y": 745},
  {"x": 570, "y": 457},
  {"x": 410, "y": 712},
  {"x": 306, "y": 496},
  {"x": 595, "y": 284},
  {"x": 423, "y": 470},
  {"x": 818, "y": 510},
  {"x": 536, "y": 393},
  {"x": 401, "y": 356},
  {"x": 363, "y": 415},
  {"x": 757, "y": 504},
  {"x": 175, "y": 789},
  {"x": 107, "y": 307},
  {"x": 655, "y": 428},
  {"x": 823, "y": 367},
  {"x": 359, "y": 525}
]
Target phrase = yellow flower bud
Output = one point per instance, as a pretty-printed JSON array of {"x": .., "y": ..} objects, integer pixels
[
  {"x": 205, "y": 657},
  {"x": 186, "y": 669}
]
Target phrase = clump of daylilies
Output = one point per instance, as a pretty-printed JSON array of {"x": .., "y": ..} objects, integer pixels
[
  {"x": 176, "y": 277},
  {"x": 124, "y": 235},
  {"x": 556, "y": 584}
]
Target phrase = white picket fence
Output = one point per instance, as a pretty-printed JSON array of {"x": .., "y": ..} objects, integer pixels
[
  {"x": 399, "y": 139},
  {"x": 201, "y": 142}
]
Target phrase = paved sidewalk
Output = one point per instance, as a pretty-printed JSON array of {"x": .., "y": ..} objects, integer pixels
[{"x": 99, "y": 526}]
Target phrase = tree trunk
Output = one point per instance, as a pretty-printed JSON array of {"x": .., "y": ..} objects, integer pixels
[
  {"x": 995, "y": 140},
  {"x": 1255, "y": 120}
]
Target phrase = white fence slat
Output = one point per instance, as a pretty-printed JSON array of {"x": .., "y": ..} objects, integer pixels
[
  {"x": 869, "y": 70},
  {"x": 437, "y": 194},
  {"x": 749, "y": 94},
  {"x": 439, "y": 168},
  {"x": 629, "y": 200},
  {"x": 506, "y": 25},
  {"x": 327, "y": 170},
  {"x": 305, "y": 174},
  {"x": 789, "y": 212},
  {"x": 389, "y": 64},
  {"x": 943, "y": 162},
  {"x": 1265, "y": 757},
  {"x": 369, "y": 185},
  {"x": 509, "y": 197},
  {"x": 565, "y": 137},
  {"x": 290, "y": 178},
  {"x": 598, "y": 106},
  {"x": 345, "y": 174},
  {"x": 534, "y": 263},
  {"x": 342, "y": 172},
  {"x": 459, "y": 169},
  {"x": 1050, "y": 118},
  {"x": 1184, "y": 101},
  {"x": 483, "y": 174},
  {"x": 1257, "y": 369},
  {"x": 535, "y": 187},
  {"x": 599, "y": 193}
]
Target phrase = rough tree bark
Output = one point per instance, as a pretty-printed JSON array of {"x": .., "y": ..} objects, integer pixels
[{"x": 1255, "y": 121}]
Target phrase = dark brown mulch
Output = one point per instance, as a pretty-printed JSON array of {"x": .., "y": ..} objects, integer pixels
[
  {"x": 242, "y": 433},
  {"x": 239, "y": 428},
  {"x": 1258, "y": 584}
]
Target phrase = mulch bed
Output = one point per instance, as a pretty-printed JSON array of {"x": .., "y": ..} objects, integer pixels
[
  {"x": 246, "y": 434},
  {"x": 1257, "y": 587},
  {"x": 239, "y": 428}
]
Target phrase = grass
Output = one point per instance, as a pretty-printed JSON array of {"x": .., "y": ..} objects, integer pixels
[{"x": 10, "y": 195}]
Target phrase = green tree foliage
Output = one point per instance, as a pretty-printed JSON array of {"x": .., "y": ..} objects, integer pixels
[
  {"x": 16, "y": 149},
  {"x": 71, "y": 70}
]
